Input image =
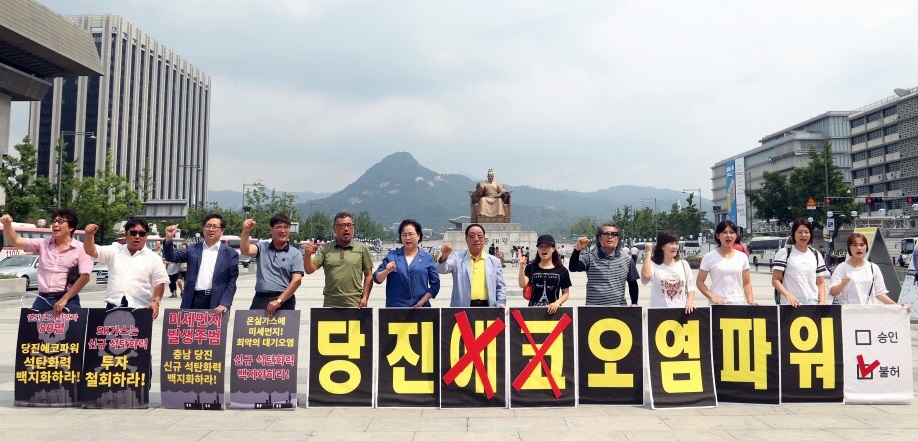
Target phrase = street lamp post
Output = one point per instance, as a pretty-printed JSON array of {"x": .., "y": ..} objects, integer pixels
[
  {"x": 246, "y": 209},
  {"x": 654, "y": 213},
  {"x": 60, "y": 156}
]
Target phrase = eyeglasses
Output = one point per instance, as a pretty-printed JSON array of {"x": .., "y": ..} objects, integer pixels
[
  {"x": 282, "y": 227},
  {"x": 140, "y": 233},
  {"x": 475, "y": 236},
  {"x": 212, "y": 227},
  {"x": 344, "y": 225},
  {"x": 609, "y": 233},
  {"x": 409, "y": 234},
  {"x": 59, "y": 221}
]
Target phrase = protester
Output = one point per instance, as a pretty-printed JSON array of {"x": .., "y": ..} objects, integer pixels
[
  {"x": 478, "y": 279},
  {"x": 213, "y": 267},
  {"x": 347, "y": 263},
  {"x": 798, "y": 271},
  {"x": 549, "y": 278},
  {"x": 136, "y": 275},
  {"x": 63, "y": 265},
  {"x": 731, "y": 283},
  {"x": 672, "y": 284},
  {"x": 410, "y": 273},
  {"x": 858, "y": 281},
  {"x": 608, "y": 269},
  {"x": 280, "y": 266}
]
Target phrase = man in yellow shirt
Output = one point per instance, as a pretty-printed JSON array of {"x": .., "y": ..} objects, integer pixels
[{"x": 478, "y": 279}]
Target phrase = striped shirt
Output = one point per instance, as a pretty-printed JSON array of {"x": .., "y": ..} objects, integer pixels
[{"x": 607, "y": 275}]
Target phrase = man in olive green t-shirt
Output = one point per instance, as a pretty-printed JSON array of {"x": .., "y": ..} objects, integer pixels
[{"x": 343, "y": 260}]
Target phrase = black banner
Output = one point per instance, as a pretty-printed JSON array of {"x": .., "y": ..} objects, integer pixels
[
  {"x": 542, "y": 358},
  {"x": 341, "y": 357},
  {"x": 409, "y": 371},
  {"x": 116, "y": 364},
  {"x": 193, "y": 359},
  {"x": 744, "y": 342},
  {"x": 679, "y": 350},
  {"x": 264, "y": 361},
  {"x": 49, "y": 358},
  {"x": 473, "y": 357},
  {"x": 811, "y": 354},
  {"x": 610, "y": 355}
]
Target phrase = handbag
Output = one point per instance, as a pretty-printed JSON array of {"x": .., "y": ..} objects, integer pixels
[{"x": 527, "y": 291}]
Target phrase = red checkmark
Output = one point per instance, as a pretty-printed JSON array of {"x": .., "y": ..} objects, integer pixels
[{"x": 866, "y": 370}]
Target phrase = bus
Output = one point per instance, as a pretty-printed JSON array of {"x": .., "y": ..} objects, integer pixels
[
  {"x": 906, "y": 248},
  {"x": 30, "y": 231},
  {"x": 762, "y": 249}
]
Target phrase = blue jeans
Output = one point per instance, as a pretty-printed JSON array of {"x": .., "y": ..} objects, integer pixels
[{"x": 45, "y": 304}]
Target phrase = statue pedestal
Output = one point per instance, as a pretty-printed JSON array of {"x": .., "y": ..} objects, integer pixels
[{"x": 503, "y": 235}]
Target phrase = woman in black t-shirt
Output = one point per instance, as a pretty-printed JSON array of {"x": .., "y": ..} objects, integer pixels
[{"x": 550, "y": 279}]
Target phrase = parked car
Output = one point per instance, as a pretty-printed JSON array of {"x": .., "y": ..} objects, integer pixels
[
  {"x": 101, "y": 272},
  {"x": 22, "y": 265}
]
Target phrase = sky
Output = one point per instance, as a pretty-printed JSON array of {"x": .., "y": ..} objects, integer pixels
[{"x": 578, "y": 95}]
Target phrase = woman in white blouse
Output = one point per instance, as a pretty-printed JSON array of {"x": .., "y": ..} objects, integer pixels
[
  {"x": 857, "y": 281},
  {"x": 670, "y": 279}
]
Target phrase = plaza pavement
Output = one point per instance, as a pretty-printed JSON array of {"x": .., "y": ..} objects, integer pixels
[{"x": 811, "y": 422}]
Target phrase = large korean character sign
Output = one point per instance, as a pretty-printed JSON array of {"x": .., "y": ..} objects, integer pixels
[
  {"x": 811, "y": 357},
  {"x": 341, "y": 357},
  {"x": 49, "y": 358},
  {"x": 610, "y": 355},
  {"x": 117, "y": 360},
  {"x": 409, "y": 362},
  {"x": 745, "y": 348},
  {"x": 193, "y": 354},
  {"x": 542, "y": 357},
  {"x": 473, "y": 355},
  {"x": 679, "y": 354}
]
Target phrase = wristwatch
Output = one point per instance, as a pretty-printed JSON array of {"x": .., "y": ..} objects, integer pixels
[
  {"x": 279, "y": 302},
  {"x": 157, "y": 301}
]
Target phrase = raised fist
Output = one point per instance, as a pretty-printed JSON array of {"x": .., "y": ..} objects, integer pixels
[
  {"x": 247, "y": 225},
  {"x": 582, "y": 243},
  {"x": 91, "y": 229}
]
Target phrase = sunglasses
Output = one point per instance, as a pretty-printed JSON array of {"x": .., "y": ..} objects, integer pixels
[
  {"x": 140, "y": 233},
  {"x": 609, "y": 233}
]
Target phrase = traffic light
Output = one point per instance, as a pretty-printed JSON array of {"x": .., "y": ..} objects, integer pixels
[
  {"x": 871, "y": 200},
  {"x": 828, "y": 201},
  {"x": 912, "y": 199}
]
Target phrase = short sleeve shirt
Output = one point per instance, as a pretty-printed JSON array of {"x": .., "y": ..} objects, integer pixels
[
  {"x": 670, "y": 285},
  {"x": 857, "y": 291},
  {"x": 547, "y": 284},
  {"x": 276, "y": 267},
  {"x": 344, "y": 268},
  {"x": 131, "y": 276},
  {"x": 726, "y": 275},
  {"x": 801, "y": 268}
]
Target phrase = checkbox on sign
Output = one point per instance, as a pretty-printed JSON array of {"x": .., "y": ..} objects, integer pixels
[{"x": 862, "y": 337}]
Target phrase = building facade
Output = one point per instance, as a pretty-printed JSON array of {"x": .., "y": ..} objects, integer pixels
[
  {"x": 781, "y": 152},
  {"x": 884, "y": 153},
  {"x": 150, "y": 111}
]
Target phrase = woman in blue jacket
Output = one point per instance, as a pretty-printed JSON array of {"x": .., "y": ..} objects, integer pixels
[{"x": 410, "y": 272}]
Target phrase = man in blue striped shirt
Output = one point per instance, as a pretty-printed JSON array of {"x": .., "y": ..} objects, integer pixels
[{"x": 608, "y": 269}]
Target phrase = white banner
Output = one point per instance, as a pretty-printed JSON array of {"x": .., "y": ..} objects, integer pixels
[{"x": 878, "y": 354}]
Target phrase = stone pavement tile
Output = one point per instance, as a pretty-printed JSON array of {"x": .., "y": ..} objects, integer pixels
[
  {"x": 54, "y": 420},
  {"x": 127, "y": 413},
  {"x": 124, "y": 420},
  {"x": 824, "y": 421},
  {"x": 610, "y": 435},
  {"x": 469, "y": 436},
  {"x": 680, "y": 435},
  {"x": 632, "y": 422},
  {"x": 468, "y": 412},
  {"x": 561, "y": 411},
  {"x": 542, "y": 423},
  {"x": 418, "y": 424},
  {"x": 361, "y": 436},
  {"x": 367, "y": 411},
  {"x": 9, "y": 409},
  {"x": 889, "y": 421},
  {"x": 777, "y": 434},
  {"x": 251, "y": 420},
  {"x": 291, "y": 422},
  {"x": 646, "y": 410},
  {"x": 88, "y": 434},
  {"x": 249, "y": 435},
  {"x": 875, "y": 434},
  {"x": 897, "y": 409},
  {"x": 712, "y": 422},
  {"x": 313, "y": 411},
  {"x": 830, "y": 409},
  {"x": 745, "y": 409}
]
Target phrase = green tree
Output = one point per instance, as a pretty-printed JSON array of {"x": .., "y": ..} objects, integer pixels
[
  {"x": 772, "y": 199},
  {"x": 586, "y": 226},
  {"x": 27, "y": 196},
  {"x": 263, "y": 203},
  {"x": 68, "y": 175},
  {"x": 105, "y": 200},
  {"x": 367, "y": 228},
  {"x": 317, "y": 226}
]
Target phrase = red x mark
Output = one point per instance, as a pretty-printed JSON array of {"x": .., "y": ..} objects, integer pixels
[
  {"x": 473, "y": 351},
  {"x": 539, "y": 357}
]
